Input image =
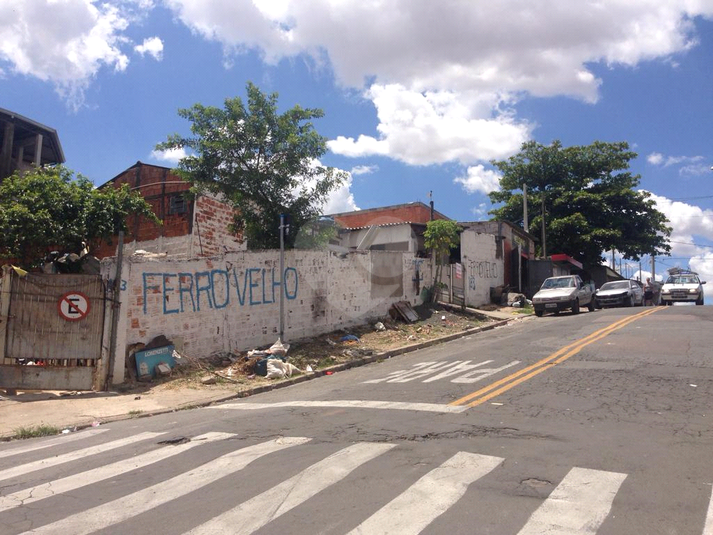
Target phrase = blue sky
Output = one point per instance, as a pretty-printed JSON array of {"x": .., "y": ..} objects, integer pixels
[{"x": 418, "y": 95}]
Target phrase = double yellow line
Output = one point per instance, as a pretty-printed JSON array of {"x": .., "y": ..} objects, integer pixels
[{"x": 505, "y": 384}]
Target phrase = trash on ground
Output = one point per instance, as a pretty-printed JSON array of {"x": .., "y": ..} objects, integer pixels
[
  {"x": 258, "y": 354},
  {"x": 261, "y": 364},
  {"x": 379, "y": 326},
  {"x": 148, "y": 359},
  {"x": 96, "y": 424},
  {"x": 309, "y": 369},
  {"x": 277, "y": 369},
  {"x": 209, "y": 380},
  {"x": 404, "y": 311},
  {"x": 278, "y": 348},
  {"x": 350, "y": 338}
]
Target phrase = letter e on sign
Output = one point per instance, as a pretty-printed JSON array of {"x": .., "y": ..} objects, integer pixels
[{"x": 73, "y": 306}]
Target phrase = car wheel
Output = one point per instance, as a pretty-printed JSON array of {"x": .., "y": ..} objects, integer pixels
[
  {"x": 539, "y": 313},
  {"x": 575, "y": 307},
  {"x": 630, "y": 302},
  {"x": 590, "y": 306},
  {"x": 699, "y": 301}
]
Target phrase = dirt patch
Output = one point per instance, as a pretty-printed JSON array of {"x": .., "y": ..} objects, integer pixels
[{"x": 317, "y": 353}]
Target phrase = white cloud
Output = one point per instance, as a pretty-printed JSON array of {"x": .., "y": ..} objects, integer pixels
[
  {"x": 172, "y": 156},
  {"x": 341, "y": 200},
  {"x": 436, "y": 127},
  {"x": 691, "y": 224},
  {"x": 703, "y": 265},
  {"x": 364, "y": 170},
  {"x": 690, "y": 165},
  {"x": 65, "y": 43},
  {"x": 423, "y": 63},
  {"x": 479, "y": 179},
  {"x": 655, "y": 158},
  {"x": 152, "y": 46}
]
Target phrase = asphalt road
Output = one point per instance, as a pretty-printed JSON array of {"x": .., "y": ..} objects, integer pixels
[{"x": 594, "y": 423}]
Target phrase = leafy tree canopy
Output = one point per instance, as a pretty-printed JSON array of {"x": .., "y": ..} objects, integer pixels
[
  {"x": 47, "y": 210},
  {"x": 441, "y": 235},
  {"x": 591, "y": 205},
  {"x": 264, "y": 163}
]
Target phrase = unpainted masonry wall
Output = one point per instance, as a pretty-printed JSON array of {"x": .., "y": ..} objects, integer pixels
[{"x": 232, "y": 302}]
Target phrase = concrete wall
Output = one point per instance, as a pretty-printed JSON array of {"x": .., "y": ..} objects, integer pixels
[
  {"x": 232, "y": 302},
  {"x": 482, "y": 269}
]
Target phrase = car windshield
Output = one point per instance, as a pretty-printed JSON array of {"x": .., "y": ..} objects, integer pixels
[
  {"x": 682, "y": 279},
  {"x": 564, "y": 282},
  {"x": 618, "y": 285}
]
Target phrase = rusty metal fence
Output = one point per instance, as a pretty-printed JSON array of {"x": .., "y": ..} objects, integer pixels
[{"x": 53, "y": 331}]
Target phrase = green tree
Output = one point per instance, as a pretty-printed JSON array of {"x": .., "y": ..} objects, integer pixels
[
  {"x": 590, "y": 204},
  {"x": 264, "y": 163},
  {"x": 440, "y": 236},
  {"x": 46, "y": 209}
]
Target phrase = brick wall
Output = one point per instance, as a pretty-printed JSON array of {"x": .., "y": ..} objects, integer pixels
[
  {"x": 190, "y": 227},
  {"x": 231, "y": 302}
]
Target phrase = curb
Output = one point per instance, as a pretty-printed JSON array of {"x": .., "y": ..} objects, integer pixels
[{"x": 299, "y": 379}]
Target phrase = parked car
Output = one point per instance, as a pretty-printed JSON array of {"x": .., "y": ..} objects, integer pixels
[
  {"x": 563, "y": 293},
  {"x": 682, "y": 286},
  {"x": 625, "y": 293}
]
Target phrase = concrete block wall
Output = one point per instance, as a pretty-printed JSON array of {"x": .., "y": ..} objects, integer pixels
[
  {"x": 482, "y": 268},
  {"x": 232, "y": 302}
]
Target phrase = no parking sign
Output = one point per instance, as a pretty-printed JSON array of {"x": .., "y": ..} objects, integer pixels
[{"x": 73, "y": 306}]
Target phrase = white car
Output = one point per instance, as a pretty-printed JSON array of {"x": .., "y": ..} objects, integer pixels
[
  {"x": 563, "y": 293},
  {"x": 682, "y": 287},
  {"x": 625, "y": 293}
]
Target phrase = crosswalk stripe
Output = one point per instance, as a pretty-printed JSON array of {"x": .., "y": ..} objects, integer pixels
[
  {"x": 118, "y": 510},
  {"x": 579, "y": 504},
  {"x": 258, "y": 511},
  {"x": 88, "y": 477},
  {"x": 708, "y": 529},
  {"x": 429, "y": 497},
  {"x": 63, "y": 439},
  {"x": 346, "y": 404},
  {"x": 73, "y": 456}
]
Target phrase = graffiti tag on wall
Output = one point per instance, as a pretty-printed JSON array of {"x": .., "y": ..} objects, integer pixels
[
  {"x": 481, "y": 270},
  {"x": 218, "y": 288}
]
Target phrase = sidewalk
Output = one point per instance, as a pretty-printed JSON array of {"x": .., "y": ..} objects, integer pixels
[{"x": 65, "y": 410}]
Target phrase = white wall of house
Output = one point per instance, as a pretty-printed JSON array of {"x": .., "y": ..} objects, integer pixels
[
  {"x": 482, "y": 270},
  {"x": 394, "y": 237},
  {"x": 232, "y": 302}
]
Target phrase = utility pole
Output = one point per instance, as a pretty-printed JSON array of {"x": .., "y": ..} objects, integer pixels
[
  {"x": 544, "y": 243},
  {"x": 653, "y": 267},
  {"x": 282, "y": 277},
  {"x": 524, "y": 208}
]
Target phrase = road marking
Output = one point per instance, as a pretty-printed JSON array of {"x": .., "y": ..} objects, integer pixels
[
  {"x": 579, "y": 504},
  {"x": 708, "y": 529},
  {"x": 121, "y": 509},
  {"x": 429, "y": 497},
  {"x": 63, "y": 439},
  {"x": 258, "y": 511},
  {"x": 24, "y": 469},
  {"x": 559, "y": 356},
  {"x": 344, "y": 404},
  {"x": 467, "y": 372},
  {"x": 89, "y": 477}
]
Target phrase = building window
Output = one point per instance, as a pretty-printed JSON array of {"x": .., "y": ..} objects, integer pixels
[{"x": 177, "y": 204}]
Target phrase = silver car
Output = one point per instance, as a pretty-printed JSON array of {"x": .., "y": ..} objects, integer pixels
[
  {"x": 626, "y": 293},
  {"x": 563, "y": 293}
]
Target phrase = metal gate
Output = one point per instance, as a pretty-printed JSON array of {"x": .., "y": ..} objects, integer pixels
[
  {"x": 53, "y": 331},
  {"x": 453, "y": 277}
]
